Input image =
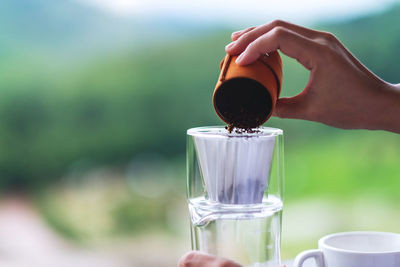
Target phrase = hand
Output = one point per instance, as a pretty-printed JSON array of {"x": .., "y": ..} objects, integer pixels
[
  {"x": 341, "y": 92},
  {"x": 198, "y": 259}
]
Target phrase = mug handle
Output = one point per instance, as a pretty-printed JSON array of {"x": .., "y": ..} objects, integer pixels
[{"x": 313, "y": 253}]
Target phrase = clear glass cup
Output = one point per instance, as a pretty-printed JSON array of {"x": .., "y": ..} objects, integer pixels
[{"x": 234, "y": 193}]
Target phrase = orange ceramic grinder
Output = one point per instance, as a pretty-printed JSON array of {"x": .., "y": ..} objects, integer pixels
[{"x": 245, "y": 96}]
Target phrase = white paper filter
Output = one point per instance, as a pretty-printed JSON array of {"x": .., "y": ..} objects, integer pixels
[{"x": 235, "y": 168}]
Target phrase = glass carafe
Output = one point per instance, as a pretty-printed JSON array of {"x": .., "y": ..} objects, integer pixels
[{"x": 234, "y": 193}]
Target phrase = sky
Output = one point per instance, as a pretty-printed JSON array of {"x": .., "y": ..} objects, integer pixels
[{"x": 239, "y": 12}]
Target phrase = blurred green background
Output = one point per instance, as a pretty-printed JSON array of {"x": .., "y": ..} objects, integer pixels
[{"x": 94, "y": 109}]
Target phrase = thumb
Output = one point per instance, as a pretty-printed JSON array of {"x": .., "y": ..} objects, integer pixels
[{"x": 291, "y": 107}]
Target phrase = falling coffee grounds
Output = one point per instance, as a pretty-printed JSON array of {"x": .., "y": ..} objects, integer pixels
[
  {"x": 230, "y": 128},
  {"x": 243, "y": 103}
]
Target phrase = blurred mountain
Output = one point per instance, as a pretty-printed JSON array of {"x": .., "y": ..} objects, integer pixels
[
  {"x": 70, "y": 30},
  {"x": 374, "y": 39},
  {"x": 52, "y": 35}
]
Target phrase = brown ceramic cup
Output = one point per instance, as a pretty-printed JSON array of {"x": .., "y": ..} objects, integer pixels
[{"x": 245, "y": 96}]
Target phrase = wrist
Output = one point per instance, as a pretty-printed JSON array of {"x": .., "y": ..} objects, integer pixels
[{"x": 388, "y": 114}]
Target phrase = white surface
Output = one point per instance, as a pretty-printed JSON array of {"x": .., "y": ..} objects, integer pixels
[
  {"x": 307, "y": 263},
  {"x": 372, "y": 242},
  {"x": 355, "y": 249}
]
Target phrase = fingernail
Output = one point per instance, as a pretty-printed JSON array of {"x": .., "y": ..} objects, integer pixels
[
  {"x": 239, "y": 58},
  {"x": 235, "y": 33},
  {"x": 228, "y": 46}
]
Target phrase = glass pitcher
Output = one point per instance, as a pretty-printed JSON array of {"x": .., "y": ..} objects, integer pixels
[{"x": 234, "y": 193}]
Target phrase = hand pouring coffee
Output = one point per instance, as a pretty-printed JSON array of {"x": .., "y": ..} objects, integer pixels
[{"x": 245, "y": 96}]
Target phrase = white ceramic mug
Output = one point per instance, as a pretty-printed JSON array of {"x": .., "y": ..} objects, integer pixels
[{"x": 355, "y": 249}]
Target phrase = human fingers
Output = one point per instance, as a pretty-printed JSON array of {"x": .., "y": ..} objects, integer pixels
[
  {"x": 198, "y": 259},
  {"x": 291, "y": 107},
  {"x": 245, "y": 37},
  {"x": 290, "y": 43},
  {"x": 241, "y": 39},
  {"x": 236, "y": 35}
]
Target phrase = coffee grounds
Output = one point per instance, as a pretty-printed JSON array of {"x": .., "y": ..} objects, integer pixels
[
  {"x": 243, "y": 103},
  {"x": 230, "y": 128}
]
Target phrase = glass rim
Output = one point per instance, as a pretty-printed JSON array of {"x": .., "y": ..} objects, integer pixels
[{"x": 222, "y": 132}]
